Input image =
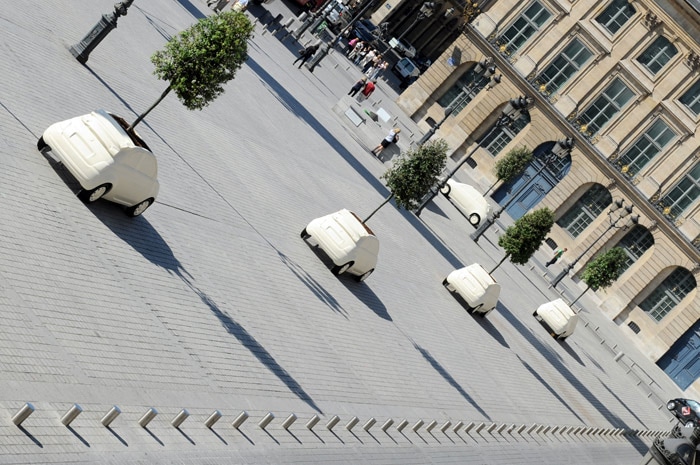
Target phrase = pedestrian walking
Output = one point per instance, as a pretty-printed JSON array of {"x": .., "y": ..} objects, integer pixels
[
  {"x": 372, "y": 63},
  {"x": 391, "y": 138},
  {"x": 361, "y": 54},
  {"x": 369, "y": 56},
  {"x": 358, "y": 47},
  {"x": 378, "y": 70},
  {"x": 557, "y": 256},
  {"x": 358, "y": 86},
  {"x": 305, "y": 54},
  {"x": 352, "y": 44},
  {"x": 366, "y": 91}
]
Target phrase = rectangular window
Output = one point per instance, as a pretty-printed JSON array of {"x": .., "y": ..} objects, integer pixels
[
  {"x": 605, "y": 107},
  {"x": 650, "y": 144},
  {"x": 585, "y": 210},
  {"x": 691, "y": 98},
  {"x": 616, "y": 15},
  {"x": 683, "y": 195},
  {"x": 523, "y": 28},
  {"x": 563, "y": 67},
  {"x": 657, "y": 55}
]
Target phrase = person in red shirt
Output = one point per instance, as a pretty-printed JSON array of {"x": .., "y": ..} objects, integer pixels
[{"x": 368, "y": 89}]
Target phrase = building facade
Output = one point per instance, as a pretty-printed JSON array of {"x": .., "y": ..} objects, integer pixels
[{"x": 622, "y": 79}]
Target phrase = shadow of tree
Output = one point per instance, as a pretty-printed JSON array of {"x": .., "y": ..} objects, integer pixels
[
  {"x": 193, "y": 10},
  {"x": 491, "y": 329},
  {"x": 450, "y": 380},
  {"x": 552, "y": 391},
  {"x": 314, "y": 286},
  {"x": 139, "y": 234}
]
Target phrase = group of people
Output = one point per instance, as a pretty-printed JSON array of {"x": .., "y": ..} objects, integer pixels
[
  {"x": 372, "y": 64},
  {"x": 363, "y": 54}
]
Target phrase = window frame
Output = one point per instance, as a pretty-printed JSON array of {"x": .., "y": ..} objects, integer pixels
[
  {"x": 629, "y": 166},
  {"x": 605, "y": 10},
  {"x": 655, "y": 59},
  {"x": 506, "y": 46},
  {"x": 570, "y": 63}
]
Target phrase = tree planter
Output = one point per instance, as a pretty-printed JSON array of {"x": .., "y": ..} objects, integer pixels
[
  {"x": 558, "y": 318},
  {"x": 476, "y": 287},
  {"x": 106, "y": 159},
  {"x": 349, "y": 244}
]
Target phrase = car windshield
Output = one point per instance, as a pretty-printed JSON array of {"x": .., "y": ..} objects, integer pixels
[{"x": 694, "y": 405}]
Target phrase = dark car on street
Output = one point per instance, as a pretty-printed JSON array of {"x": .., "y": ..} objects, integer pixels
[
  {"x": 686, "y": 410},
  {"x": 365, "y": 30}
]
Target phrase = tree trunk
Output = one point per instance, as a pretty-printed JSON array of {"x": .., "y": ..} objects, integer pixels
[
  {"x": 391, "y": 196},
  {"x": 499, "y": 263},
  {"x": 586, "y": 290},
  {"x": 143, "y": 115}
]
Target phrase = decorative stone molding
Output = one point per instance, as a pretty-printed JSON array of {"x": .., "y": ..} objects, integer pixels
[
  {"x": 695, "y": 269},
  {"x": 651, "y": 21},
  {"x": 692, "y": 60},
  {"x": 652, "y": 225},
  {"x": 636, "y": 180},
  {"x": 679, "y": 222},
  {"x": 611, "y": 183}
]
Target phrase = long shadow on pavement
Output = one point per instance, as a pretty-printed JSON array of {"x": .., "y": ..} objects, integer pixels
[
  {"x": 557, "y": 363},
  {"x": 452, "y": 382},
  {"x": 193, "y": 10},
  {"x": 139, "y": 234}
]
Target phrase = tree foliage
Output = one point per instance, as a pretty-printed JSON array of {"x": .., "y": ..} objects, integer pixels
[
  {"x": 522, "y": 239},
  {"x": 604, "y": 269},
  {"x": 413, "y": 174},
  {"x": 199, "y": 60},
  {"x": 512, "y": 163}
]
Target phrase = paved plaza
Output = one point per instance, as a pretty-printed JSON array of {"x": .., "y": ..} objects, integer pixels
[{"x": 211, "y": 301}]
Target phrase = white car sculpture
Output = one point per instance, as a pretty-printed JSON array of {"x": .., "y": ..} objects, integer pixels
[
  {"x": 471, "y": 203},
  {"x": 476, "y": 286},
  {"x": 106, "y": 161},
  {"x": 558, "y": 318},
  {"x": 351, "y": 245}
]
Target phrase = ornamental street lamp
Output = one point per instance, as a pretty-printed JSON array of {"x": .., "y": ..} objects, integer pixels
[
  {"x": 560, "y": 150},
  {"x": 426, "y": 11},
  {"x": 316, "y": 59},
  {"x": 510, "y": 113},
  {"x": 616, "y": 214},
  {"x": 81, "y": 50}
]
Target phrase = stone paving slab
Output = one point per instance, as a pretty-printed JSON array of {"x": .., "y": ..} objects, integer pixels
[{"x": 212, "y": 301}]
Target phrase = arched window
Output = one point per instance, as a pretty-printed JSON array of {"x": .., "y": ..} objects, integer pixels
[
  {"x": 669, "y": 293},
  {"x": 496, "y": 139},
  {"x": 635, "y": 243},
  {"x": 657, "y": 54},
  {"x": 464, "y": 90},
  {"x": 585, "y": 210}
]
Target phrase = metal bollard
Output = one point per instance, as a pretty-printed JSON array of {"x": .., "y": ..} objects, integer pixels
[
  {"x": 147, "y": 417},
  {"x": 110, "y": 416},
  {"x": 71, "y": 414},
  {"x": 22, "y": 414},
  {"x": 179, "y": 418},
  {"x": 213, "y": 418}
]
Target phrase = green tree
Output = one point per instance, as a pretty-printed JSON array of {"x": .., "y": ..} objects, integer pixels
[
  {"x": 198, "y": 61},
  {"x": 512, "y": 164},
  {"x": 603, "y": 270},
  {"x": 413, "y": 174},
  {"x": 522, "y": 239}
]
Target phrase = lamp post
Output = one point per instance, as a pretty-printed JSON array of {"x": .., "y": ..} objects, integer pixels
[
  {"x": 426, "y": 11},
  {"x": 435, "y": 127},
  {"x": 616, "y": 213},
  {"x": 510, "y": 113},
  {"x": 81, "y": 50},
  {"x": 561, "y": 149},
  {"x": 316, "y": 59}
]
